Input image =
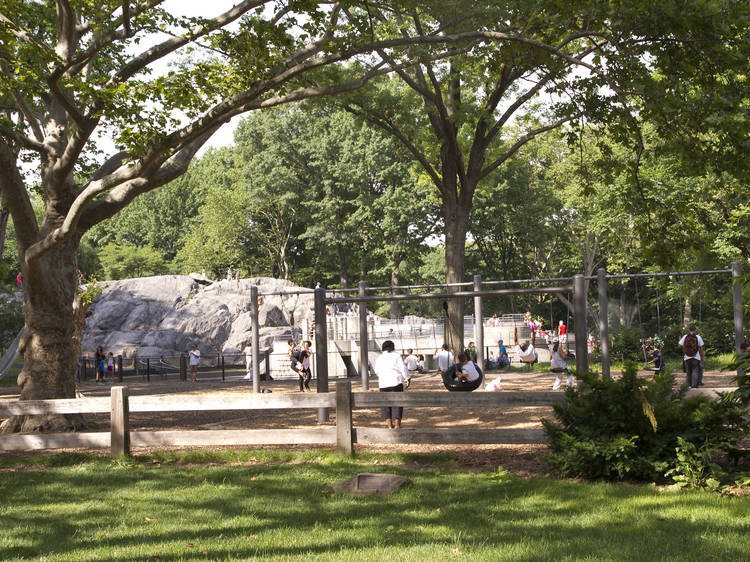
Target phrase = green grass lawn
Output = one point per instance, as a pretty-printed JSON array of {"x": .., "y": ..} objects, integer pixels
[{"x": 256, "y": 504}]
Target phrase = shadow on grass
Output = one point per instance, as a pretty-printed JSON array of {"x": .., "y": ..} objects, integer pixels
[{"x": 262, "y": 511}]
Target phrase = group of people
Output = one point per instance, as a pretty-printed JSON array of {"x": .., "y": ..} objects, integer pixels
[
  {"x": 105, "y": 366},
  {"x": 395, "y": 373}
]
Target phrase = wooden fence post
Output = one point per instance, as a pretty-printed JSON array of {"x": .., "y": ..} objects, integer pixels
[
  {"x": 119, "y": 422},
  {"x": 344, "y": 443}
]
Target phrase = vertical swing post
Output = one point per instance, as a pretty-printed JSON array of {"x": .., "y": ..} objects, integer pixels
[
  {"x": 321, "y": 347},
  {"x": 601, "y": 280},
  {"x": 479, "y": 324},
  {"x": 255, "y": 337},
  {"x": 738, "y": 317},
  {"x": 579, "y": 312},
  {"x": 364, "y": 360}
]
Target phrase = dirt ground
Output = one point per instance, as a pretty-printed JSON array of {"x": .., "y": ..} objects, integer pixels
[{"x": 523, "y": 460}]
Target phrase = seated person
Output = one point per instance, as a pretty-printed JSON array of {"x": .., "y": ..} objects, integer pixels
[
  {"x": 420, "y": 363},
  {"x": 502, "y": 355},
  {"x": 656, "y": 363},
  {"x": 526, "y": 352},
  {"x": 464, "y": 375},
  {"x": 492, "y": 360},
  {"x": 466, "y": 371}
]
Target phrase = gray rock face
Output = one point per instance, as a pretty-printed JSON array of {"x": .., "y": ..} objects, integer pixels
[{"x": 165, "y": 315}]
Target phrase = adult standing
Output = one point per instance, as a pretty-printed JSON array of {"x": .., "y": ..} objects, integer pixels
[
  {"x": 562, "y": 331},
  {"x": 392, "y": 377},
  {"x": 306, "y": 355},
  {"x": 693, "y": 355},
  {"x": 472, "y": 351},
  {"x": 99, "y": 358},
  {"x": 444, "y": 359},
  {"x": 295, "y": 359},
  {"x": 194, "y": 358},
  {"x": 19, "y": 281}
]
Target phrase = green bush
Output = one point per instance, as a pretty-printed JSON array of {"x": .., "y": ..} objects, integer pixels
[
  {"x": 631, "y": 428},
  {"x": 626, "y": 344}
]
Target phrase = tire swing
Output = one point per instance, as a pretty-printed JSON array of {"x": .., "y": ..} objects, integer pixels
[{"x": 453, "y": 385}]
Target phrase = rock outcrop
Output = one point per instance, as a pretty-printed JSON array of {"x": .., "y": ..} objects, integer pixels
[{"x": 165, "y": 315}]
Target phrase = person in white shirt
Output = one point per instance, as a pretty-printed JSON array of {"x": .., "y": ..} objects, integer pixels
[
  {"x": 525, "y": 351},
  {"x": 195, "y": 358},
  {"x": 411, "y": 362},
  {"x": 392, "y": 377},
  {"x": 444, "y": 359},
  {"x": 559, "y": 365},
  {"x": 248, "y": 362},
  {"x": 693, "y": 356},
  {"x": 467, "y": 369}
]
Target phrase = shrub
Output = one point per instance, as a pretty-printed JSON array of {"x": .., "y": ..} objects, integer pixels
[
  {"x": 631, "y": 428},
  {"x": 626, "y": 344}
]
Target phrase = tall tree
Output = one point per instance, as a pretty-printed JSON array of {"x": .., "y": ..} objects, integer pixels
[
  {"x": 590, "y": 59},
  {"x": 73, "y": 70}
]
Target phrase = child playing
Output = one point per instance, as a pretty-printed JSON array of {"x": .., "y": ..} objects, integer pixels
[
  {"x": 100, "y": 370},
  {"x": 110, "y": 367}
]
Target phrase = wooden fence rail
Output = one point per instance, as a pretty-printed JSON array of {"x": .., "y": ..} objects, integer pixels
[{"x": 120, "y": 438}]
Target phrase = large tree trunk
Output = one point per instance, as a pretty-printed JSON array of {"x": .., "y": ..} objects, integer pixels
[
  {"x": 343, "y": 269},
  {"x": 3, "y": 226},
  {"x": 395, "y": 305},
  {"x": 395, "y": 308},
  {"x": 47, "y": 344},
  {"x": 456, "y": 227}
]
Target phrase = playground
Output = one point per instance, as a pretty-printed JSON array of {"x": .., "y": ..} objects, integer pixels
[{"x": 524, "y": 460}]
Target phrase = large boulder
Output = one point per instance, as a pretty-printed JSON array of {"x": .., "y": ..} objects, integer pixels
[{"x": 165, "y": 315}]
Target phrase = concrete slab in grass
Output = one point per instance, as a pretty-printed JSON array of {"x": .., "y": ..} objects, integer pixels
[{"x": 372, "y": 484}]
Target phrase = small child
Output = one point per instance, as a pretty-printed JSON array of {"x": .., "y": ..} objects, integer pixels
[
  {"x": 110, "y": 367},
  {"x": 100, "y": 371},
  {"x": 420, "y": 363}
]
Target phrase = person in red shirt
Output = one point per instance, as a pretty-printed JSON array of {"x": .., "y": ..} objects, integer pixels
[{"x": 562, "y": 331}]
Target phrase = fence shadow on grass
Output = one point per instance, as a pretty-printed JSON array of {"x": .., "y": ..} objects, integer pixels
[{"x": 251, "y": 511}]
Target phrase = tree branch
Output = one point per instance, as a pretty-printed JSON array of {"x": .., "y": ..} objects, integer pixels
[
  {"x": 23, "y": 140},
  {"x": 28, "y": 114},
  {"x": 17, "y": 199},
  {"x": 387, "y": 125},
  {"x": 522, "y": 141},
  {"x": 117, "y": 199},
  {"x": 156, "y": 52}
]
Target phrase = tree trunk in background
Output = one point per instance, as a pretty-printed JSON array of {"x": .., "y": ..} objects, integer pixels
[
  {"x": 622, "y": 309},
  {"x": 395, "y": 308},
  {"x": 343, "y": 271},
  {"x": 395, "y": 305},
  {"x": 687, "y": 313},
  {"x": 4, "y": 214},
  {"x": 49, "y": 359},
  {"x": 456, "y": 227}
]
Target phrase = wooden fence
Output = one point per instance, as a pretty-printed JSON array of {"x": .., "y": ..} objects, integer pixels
[{"x": 120, "y": 438}]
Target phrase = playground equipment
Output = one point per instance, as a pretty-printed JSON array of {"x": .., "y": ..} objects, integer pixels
[{"x": 7, "y": 360}]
